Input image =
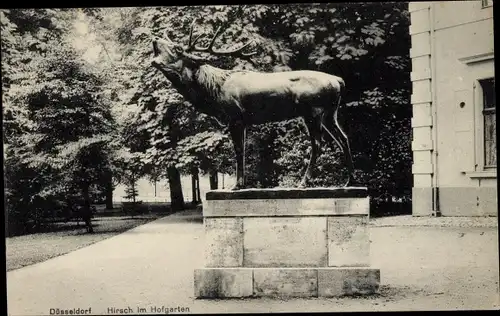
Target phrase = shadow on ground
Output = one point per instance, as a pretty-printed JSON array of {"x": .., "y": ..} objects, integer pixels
[
  {"x": 189, "y": 219},
  {"x": 188, "y": 216},
  {"x": 385, "y": 209}
]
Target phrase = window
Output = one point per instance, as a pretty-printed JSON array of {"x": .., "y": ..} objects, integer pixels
[
  {"x": 486, "y": 3},
  {"x": 481, "y": 119},
  {"x": 489, "y": 121}
]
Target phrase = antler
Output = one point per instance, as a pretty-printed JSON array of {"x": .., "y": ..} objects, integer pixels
[
  {"x": 165, "y": 36},
  {"x": 191, "y": 44},
  {"x": 238, "y": 52}
]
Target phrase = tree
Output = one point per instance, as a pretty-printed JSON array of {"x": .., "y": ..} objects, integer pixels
[
  {"x": 131, "y": 192},
  {"x": 68, "y": 127},
  {"x": 25, "y": 35}
]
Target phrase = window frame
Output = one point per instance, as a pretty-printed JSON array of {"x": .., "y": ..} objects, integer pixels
[
  {"x": 480, "y": 155},
  {"x": 484, "y": 111}
]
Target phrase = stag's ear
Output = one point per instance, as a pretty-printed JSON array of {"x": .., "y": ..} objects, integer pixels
[{"x": 156, "y": 51}]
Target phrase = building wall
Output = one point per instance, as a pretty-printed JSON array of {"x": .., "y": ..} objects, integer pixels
[{"x": 452, "y": 47}]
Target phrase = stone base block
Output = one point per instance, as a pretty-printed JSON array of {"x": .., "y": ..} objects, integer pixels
[
  {"x": 348, "y": 281},
  {"x": 294, "y": 282},
  {"x": 287, "y": 282},
  {"x": 223, "y": 282}
]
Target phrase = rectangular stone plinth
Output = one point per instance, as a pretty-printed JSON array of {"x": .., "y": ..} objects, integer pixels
[
  {"x": 285, "y": 282},
  {"x": 286, "y": 202},
  {"x": 288, "y": 193},
  {"x": 320, "y": 227}
]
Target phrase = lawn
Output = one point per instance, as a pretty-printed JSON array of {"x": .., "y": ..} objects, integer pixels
[{"x": 29, "y": 249}]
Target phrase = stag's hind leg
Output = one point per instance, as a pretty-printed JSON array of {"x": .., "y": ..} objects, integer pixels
[
  {"x": 333, "y": 129},
  {"x": 314, "y": 127}
]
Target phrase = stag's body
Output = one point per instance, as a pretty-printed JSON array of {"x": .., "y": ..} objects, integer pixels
[
  {"x": 271, "y": 97},
  {"x": 239, "y": 99}
]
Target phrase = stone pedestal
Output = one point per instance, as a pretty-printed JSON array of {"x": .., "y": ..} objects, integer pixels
[{"x": 286, "y": 242}]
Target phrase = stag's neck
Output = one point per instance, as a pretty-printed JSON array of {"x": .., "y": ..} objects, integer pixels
[
  {"x": 209, "y": 81},
  {"x": 198, "y": 83},
  {"x": 177, "y": 81},
  {"x": 201, "y": 85}
]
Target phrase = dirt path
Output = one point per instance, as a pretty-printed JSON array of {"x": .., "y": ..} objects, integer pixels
[
  {"x": 33, "y": 248},
  {"x": 152, "y": 266}
]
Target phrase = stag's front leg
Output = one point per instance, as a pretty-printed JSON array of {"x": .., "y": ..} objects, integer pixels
[
  {"x": 238, "y": 136},
  {"x": 314, "y": 128}
]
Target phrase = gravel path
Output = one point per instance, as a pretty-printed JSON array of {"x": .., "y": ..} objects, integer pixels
[
  {"x": 26, "y": 250},
  {"x": 151, "y": 266},
  {"x": 408, "y": 220}
]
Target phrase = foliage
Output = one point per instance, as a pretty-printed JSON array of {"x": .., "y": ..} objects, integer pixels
[
  {"x": 25, "y": 35},
  {"x": 131, "y": 192},
  {"x": 65, "y": 144}
]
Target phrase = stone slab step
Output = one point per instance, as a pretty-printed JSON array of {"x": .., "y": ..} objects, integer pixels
[{"x": 285, "y": 282}]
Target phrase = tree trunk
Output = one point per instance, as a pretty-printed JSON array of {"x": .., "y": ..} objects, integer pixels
[
  {"x": 109, "y": 192},
  {"x": 198, "y": 195},
  {"x": 87, "y": 212},
  {"x": 174, "y": 183},
  {"x": 133, "y": 189},
  {"x": 214, "y": 180},
  {"x": 156, "y": 181},
  {"x": 194, "y": 184}
]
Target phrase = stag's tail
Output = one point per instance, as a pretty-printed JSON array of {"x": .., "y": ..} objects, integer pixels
[{"x": 342, "y": 84}]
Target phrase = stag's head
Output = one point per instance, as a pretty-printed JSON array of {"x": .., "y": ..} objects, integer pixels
[
  {"x": 167, "y": 53},
  {"x": 170, "y": 56}
]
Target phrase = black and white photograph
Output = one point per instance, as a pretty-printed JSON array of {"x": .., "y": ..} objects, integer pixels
[{"x": 250, "y": 158}]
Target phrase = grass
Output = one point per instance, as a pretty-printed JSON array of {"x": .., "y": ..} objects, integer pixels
[{"x": 63, "y": 238}]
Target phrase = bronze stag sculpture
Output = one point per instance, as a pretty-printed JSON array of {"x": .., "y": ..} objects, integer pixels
[{"x": 238, "y": 99}]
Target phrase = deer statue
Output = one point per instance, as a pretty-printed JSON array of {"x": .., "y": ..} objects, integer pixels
[{"x": 238, "y": 99}]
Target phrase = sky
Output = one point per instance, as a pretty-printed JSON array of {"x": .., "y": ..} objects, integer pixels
[{"x": 85, "y": 41}]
